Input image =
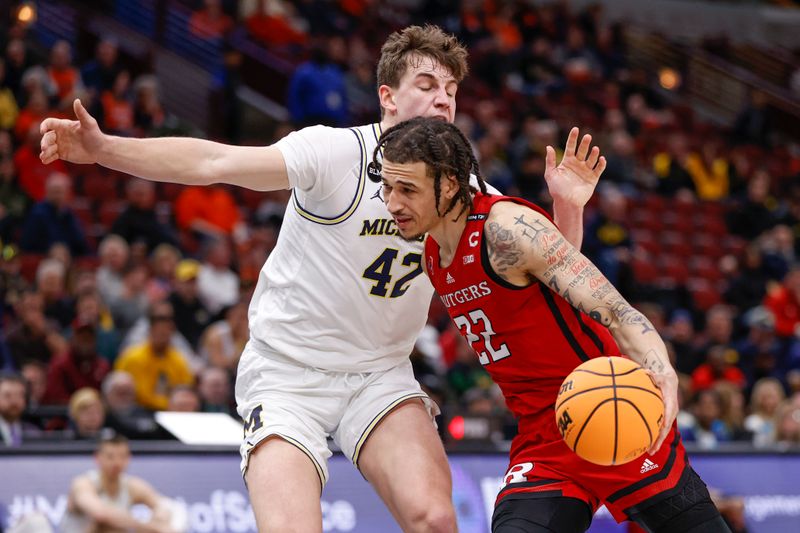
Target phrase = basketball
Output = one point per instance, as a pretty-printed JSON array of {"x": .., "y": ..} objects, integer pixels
[{"x": 609, "y": 411}]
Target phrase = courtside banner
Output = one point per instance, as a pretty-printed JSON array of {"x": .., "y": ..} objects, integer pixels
[{"x": 215, "y": 499}]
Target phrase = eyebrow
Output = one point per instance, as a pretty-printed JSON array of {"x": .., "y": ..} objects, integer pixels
[{"x": 448, "y": 81}]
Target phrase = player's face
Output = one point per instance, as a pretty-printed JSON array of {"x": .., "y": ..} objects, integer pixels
[
  {"x": 410, "y": 198},
  {"x": 112, "y": 459},
  {"x": 427, "y": 89}
]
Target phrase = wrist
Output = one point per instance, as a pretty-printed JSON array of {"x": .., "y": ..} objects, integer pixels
[{"x": 568, "y": 203}]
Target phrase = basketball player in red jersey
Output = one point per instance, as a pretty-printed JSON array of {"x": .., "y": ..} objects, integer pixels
[{"x": 533, "y": 308}]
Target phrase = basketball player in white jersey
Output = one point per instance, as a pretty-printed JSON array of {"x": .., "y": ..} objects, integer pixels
[
  {"x": 100, "y": 500},
  {"x": 340, "y": 301}
]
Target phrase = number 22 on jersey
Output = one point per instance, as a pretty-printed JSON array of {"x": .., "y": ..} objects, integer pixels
[{"x": 475, "y": 318}]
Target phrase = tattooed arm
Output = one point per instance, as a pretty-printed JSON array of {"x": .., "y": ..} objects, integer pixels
[{"x": 524, "y": 245}]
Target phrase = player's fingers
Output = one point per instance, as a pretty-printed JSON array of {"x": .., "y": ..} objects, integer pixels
[
  {"x": 48, "y": 139},
  {"x": 549, "y": 159},
  {"x": 662, "y": 436},
  {"x": 572, "y": 142},
  {"x": 583, "y": 148},
  {"x": 80, "y": 112},
  {"x": 594, "y": 155},
  {"x": 601, "y": 166},
  {"x": 47, "y": 124}
]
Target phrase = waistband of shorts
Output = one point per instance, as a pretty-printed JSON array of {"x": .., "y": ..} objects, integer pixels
[{"x": 263, "y": 349}]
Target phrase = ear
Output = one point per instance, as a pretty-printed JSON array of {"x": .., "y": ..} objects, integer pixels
[
  {"x": 449, "y": 185},
  {"x": 386, "y": 98}
]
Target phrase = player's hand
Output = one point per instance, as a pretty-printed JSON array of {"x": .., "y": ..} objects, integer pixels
[
  {"x": 76, "y": 141},
  {"x": 668, "y": 383},
  {"x": 574, "y": 180}
]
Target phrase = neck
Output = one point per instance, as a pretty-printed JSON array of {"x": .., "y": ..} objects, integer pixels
[
  {"x": 447, "y": 234},
  {"x": 388, "y": 121}
]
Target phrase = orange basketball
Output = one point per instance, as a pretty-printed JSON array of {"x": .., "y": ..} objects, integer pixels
[{"x": 609, "y": 411}]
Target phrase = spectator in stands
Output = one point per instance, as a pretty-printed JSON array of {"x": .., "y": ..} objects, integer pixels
[
  {"x": 210, "y": 22},
  {"x": 788, "y": 424},
  {"x": 709, "y": 172},
  {"x": 680, "y": 333},
  {"x": 214, "y": 387},
  {"x": 33, "y": 336},
  {"x": 14, "y": 203},
  {"x": 607, "y": 241},
  {"x": 670, "y": 166},
  {"x": 191, "y": 315},
  {"x": 757, "y": 212},
  {"x": 733, "y": 410},
  {"x": 762, "y": 421},
  {"x": 784, "y": 303},
  {"x": 77, "y": 368},
  {"x": 31, "y": 172},
  {"x": 13, "y": 403},
  {"x": 184, "y": 399},
  {"x": 89, "y": 307},
  {"x": 746, "y": 279},
  {"x": 718, "y": 331},
  {"x": 87, "y": 414},
  {"x": 760, "y": 353},
  {"x": 156, "y": 366},
  {"x": 223, "y": 341},
  {"x": 139, "y": 222},
  {"x": 99, "y": 74},
  {"x": 217, "y": 284},
  {"x": 466, "y": 371},
  {"x": 707, "y": 429},
  {"x": 777, "y": 246},
  {"x": 17, "y": 62},
  {"x": 32, "y": 113},
  {"x": 124, "y": 415},
  {"x": 64, "y": 75},
  {"x": 209, "y": 212},
  {"x": 720, "y": 365},
  {"x": 116, "y": 108},
  {"x": 52, "y": 220},
  {"x": 163, "y": 261},
  {"x": 359, "y": 89},
  {"x": 317, "y": 93},
  {"x": 132, "y": 301},
  {"x": 50, "y": 282},
  {"x": 114, "y": 255},
  {"x": 754, "y": 123},
  {"x": 35, "y": 375},
  {"x": 150, "y": 117},
  {"x": 8, "y": 102},
  {"x": 272, "y": 22}
]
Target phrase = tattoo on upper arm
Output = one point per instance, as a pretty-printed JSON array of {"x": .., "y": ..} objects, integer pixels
[
  {"x": 653, "y": 362},
  {"x": 501, "y": 246},
  {"x": 535, "y": 226}
]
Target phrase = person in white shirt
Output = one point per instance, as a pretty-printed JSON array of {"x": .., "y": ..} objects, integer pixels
[
  {"x": 101, "y": 499},
  {"x": 340, "y": 301}
]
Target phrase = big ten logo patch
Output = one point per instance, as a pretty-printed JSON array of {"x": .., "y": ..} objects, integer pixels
[
  {"x": 517, "y": 473},
  {"x": 564, "y": 423}
]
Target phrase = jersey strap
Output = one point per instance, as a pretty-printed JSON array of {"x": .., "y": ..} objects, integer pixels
[{"x": 329, "y": 221}]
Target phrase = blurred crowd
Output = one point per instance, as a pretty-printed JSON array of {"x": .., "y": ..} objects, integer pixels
[{"x": 121, "y": 297}]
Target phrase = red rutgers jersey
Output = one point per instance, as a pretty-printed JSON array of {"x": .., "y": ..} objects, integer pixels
[{"x": 528, "y": 339}]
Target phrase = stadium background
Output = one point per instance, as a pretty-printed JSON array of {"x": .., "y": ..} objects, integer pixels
[{"x": 695, "y": 104}]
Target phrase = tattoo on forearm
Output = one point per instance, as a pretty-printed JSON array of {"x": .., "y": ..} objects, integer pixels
[
  {"x": 503, "y": 251},
  {"x": 653, "y": 362}
]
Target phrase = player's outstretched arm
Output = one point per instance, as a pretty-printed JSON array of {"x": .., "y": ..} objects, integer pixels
[
  {"x": 572, "y": 183},
  {"x": 174, "y": 159},
  {"x": 523, "y": 245}
]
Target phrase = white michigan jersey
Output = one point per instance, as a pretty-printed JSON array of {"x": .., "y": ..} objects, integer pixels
[{"x": 341, "y": 291}]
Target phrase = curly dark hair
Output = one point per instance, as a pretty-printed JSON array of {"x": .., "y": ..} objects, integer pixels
[{"x": 444, "y": 150}]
